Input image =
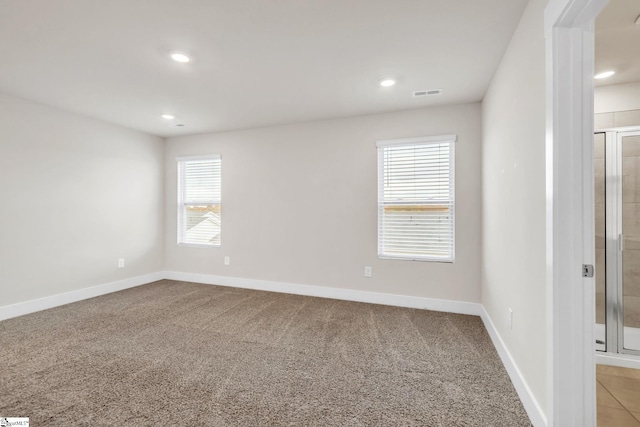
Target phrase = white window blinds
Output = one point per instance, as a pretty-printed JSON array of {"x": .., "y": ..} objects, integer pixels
[
  {"x": 416, "y": 198},
  {"x": 199, "y": 200}
]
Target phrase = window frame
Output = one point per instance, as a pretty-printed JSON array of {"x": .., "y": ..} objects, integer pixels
[
  {"x": 182, "y": 204},
  {"x": 427, "y": 140}
]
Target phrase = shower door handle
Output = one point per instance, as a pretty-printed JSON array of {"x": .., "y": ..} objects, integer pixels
[{"x": 621, "y": 242}]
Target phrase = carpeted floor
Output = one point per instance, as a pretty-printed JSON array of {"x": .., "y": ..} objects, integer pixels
[{"x": 185, "y": 354}]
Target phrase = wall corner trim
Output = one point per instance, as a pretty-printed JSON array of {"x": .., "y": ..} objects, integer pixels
[
  {"x": 26, "y": 307},
  {"x": 459, "y": 307},
  {"x": 536, "y": 415}
]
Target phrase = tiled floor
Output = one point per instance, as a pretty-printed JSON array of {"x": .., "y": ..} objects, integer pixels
[{"x": 618, "y": 391}]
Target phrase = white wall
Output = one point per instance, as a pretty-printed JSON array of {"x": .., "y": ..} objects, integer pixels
[
  {"x": 76, "y": 195},
  {"x": 621, "y": 97},
  {"x": 299, "y": 204},
  {"x": 513, "y": 199}
]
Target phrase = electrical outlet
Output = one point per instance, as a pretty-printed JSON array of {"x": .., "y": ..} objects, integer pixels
[
  {"x": 510, "y": 319},
  {"x": 367, "y": 272},
  {"x": 227, "y": 260},
  {"x": 121, "y": 263}
]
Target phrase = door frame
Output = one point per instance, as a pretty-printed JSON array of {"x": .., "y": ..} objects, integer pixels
[{"x": 570, "y": 243}]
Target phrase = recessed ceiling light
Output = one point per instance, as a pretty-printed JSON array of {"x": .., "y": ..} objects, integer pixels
[
  {"x": 168, "y": 116},
  {"x": 386, "y": 82},
  {"x": 604, "y": 75},
  {"x": 180, "y": 57}
]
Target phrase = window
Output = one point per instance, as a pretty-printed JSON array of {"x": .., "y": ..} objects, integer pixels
[
  {"x": 416, "y": 198},
  {"x": 199, "y": 198}
]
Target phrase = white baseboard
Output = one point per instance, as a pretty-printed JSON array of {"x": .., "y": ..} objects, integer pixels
[
  {"x": 459, "y": 307},
  {"x": 22, "y": 308},
  {"x": 617, "y": 359},
  {"x": 535, "y": 412}
]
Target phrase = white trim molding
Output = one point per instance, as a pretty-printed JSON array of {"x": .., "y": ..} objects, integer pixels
[
  {"x": 418, "y": 140},
  {"x": 459, "y": 307},
  {"x": 22, "y": 308},
  {"x": 618, "y": 359},
  {"x": 570, "y": 227},
  {"x": 530, "y": 403}
]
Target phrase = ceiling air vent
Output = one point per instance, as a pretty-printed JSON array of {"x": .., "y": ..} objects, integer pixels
[{"x": 431, "y": 92}]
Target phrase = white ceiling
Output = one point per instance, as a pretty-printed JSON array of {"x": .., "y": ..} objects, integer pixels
[
  {"x": 255, "y": 62},
  {"x": 618, "y": 42}
]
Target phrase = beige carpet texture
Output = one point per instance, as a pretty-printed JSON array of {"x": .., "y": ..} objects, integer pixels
[{"x": 183, "y": 354}]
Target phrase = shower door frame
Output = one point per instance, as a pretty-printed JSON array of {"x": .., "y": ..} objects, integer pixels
[{"x": 614, "y": 247}]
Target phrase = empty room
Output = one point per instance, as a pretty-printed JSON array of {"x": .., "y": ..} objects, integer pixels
[{"x": 311, "y": 213}]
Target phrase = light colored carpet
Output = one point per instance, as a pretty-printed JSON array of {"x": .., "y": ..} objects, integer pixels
[{"x": 185, "y": 354}]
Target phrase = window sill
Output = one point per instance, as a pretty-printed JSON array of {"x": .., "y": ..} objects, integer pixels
[
  {"x": 409, "y": 258},
  {"x": 195, "y": 245}
]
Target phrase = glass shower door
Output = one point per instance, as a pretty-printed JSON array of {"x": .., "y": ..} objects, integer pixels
[
  {"x": 600, "y": 205},
  {"x": 629, "y": 288}
]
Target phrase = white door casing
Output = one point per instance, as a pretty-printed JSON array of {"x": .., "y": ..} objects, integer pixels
[{"x": 570, "y": 211}]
